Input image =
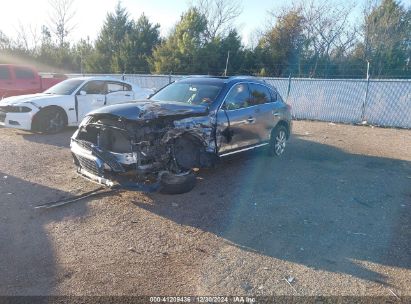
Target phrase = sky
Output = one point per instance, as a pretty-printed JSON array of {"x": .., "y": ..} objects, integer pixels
[{"x": 90, "y": 14}]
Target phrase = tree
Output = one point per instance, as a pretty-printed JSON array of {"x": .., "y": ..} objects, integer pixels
[
  {"x": 61, "y": 18},
  {"x": 109, "y": 44},
  {"x": 387, "y": 38},
  {"x": 180, "y": 52},
  {"x": 220, "y": 15},
  {"x": 139, "y": 44},
  {"x": 281, "y": 47},
  {"x": 4, "y": 41},
  {"x": 326, "y": 28}
]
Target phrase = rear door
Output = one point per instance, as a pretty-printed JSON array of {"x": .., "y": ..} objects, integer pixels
[
  {"x": 265, "y": 113},
  {"x": 90, "y": 97},
  {"x": 27, "y": 81},
  {"x": 118, "y": 92}
]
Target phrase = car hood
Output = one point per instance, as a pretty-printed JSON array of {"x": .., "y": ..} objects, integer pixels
[
  {"x": 16, "y": 100},
  {"x": 146, "y": 110}
]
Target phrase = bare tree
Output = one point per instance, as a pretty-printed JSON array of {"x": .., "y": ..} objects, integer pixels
[
  {"x": 61, "y": 17},
  {"x": 220, "y": 15},
  {"x": 4, "y": 41},
  {"x": 28, "y": 37},
  {"x": 327, "y": 27}
]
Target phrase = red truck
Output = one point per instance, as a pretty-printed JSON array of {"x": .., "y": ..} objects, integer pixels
[{"x": 21, "y": 80}]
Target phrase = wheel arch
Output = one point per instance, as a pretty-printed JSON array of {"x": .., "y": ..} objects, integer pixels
[
  {"x": 286, "y": 125},
  {"x": 35, "y": 121}
]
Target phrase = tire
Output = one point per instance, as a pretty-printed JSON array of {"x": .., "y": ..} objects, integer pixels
[
  {"x": 278, "y": 141},
  {"x": 51, "y": 121},
  {"x": 177, "y": 183}
]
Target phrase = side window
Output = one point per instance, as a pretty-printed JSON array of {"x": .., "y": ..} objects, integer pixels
[
  {"x": 24, "y": 73},
  {"x": 238, "y": 97},
  {"x": 274, "y": 95},
  {"x": 117, "y": 86},
  {"x": 259, "y": 94},
  {"x": 4, "y": 73},
  {"x": 95, "y": 87}
]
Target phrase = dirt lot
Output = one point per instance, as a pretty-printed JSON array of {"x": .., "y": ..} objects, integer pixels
[{"x": 334, "y": 213}]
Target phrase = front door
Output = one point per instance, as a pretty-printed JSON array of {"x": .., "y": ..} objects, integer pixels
[
  {"x": 90, "y": 97},
  {"x": 236, "y": 121}
]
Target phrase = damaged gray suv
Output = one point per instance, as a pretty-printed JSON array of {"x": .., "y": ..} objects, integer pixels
[{"x": 155, "y": 144}]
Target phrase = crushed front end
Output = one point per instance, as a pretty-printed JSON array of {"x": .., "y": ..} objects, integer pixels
[{"x": 111, "y": 149}]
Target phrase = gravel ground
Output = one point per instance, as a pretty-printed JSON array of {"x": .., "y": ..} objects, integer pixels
[{"x": 332, "y": 216}]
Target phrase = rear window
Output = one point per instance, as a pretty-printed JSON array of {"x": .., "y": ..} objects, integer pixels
[
  {"x": 24, "y": 73},
  {"x": 117, "y": 86},
  {"x": 4, "y": 73}
]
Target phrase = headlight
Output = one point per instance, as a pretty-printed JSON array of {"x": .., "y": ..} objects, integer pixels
[
  {"x": 15, "y": 109},
  {"x": 84, "y": 121}
]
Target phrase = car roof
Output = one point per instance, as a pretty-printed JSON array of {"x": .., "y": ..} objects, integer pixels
[
  {"x": 100, "y": 78},
  {"x": 221, "y": 79}
]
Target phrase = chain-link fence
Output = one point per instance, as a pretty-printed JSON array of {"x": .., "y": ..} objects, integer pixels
[{"x": 378, "y": 102}]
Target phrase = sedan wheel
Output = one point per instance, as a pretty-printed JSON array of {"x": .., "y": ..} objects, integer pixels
[
  {"x": 52, "y": 121},
  {"x": 278, "y": 141}
]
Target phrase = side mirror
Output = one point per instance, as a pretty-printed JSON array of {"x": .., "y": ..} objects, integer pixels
[{"x": 83, "y": 93}]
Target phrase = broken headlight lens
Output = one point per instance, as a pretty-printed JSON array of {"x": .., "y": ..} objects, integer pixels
[{"x": 84, "y": 121}]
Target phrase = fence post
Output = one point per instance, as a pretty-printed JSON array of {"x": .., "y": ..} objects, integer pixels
[
  {"x": 364, "y": 105},
  {"x": 289, "y": 86}
]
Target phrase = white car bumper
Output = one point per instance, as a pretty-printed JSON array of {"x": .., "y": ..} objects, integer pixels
[{"x": 16, "y": 120}]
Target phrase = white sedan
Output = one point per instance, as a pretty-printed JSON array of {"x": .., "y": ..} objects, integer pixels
[{"x": 66, "y": 103}]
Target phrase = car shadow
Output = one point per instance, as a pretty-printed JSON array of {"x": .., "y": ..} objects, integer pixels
[
  {"x": 317, "y": 206},
  {"x": 28, "y": 262},
  {"x": 61, "y": 139}
]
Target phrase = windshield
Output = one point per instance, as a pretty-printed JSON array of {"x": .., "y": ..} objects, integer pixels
[
  {"x": 194, "y": 93},
  {"x": 66, "y": 87}
]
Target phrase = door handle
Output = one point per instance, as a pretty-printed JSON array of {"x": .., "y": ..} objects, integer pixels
[
  {"x": 251, "y": 119},
  {"x": 128, "y": 95},
  {"x": 276, "y": 114}
]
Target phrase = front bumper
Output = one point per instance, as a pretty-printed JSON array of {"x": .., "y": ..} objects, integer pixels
[
  {"x": 92, "y": 162},
  {"x": 16, "y": 120}
]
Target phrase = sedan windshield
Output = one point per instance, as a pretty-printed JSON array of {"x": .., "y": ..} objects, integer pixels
[
  {"x": 194, "y": 93},
  {"x": 66, "y": 87}
]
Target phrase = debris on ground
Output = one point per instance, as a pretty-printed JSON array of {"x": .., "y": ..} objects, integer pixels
[
  {"x": 246, "y": 286},
  {"x": 96, "y": 192},
  {"x": 5, "y": 177},
  {"x": 175, "y": 205},
  {"x": 290, "y": 280},
  {"x": 394, "y": 293}
]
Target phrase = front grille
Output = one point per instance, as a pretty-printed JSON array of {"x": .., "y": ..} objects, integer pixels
[
  {"x": 104, "y": 155},
  {"x": 110, "y": 160},
  {"x": 89, "y": 165},
  {"x": 2, "y": 116},
  {"x": 85, "y": 144}
]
